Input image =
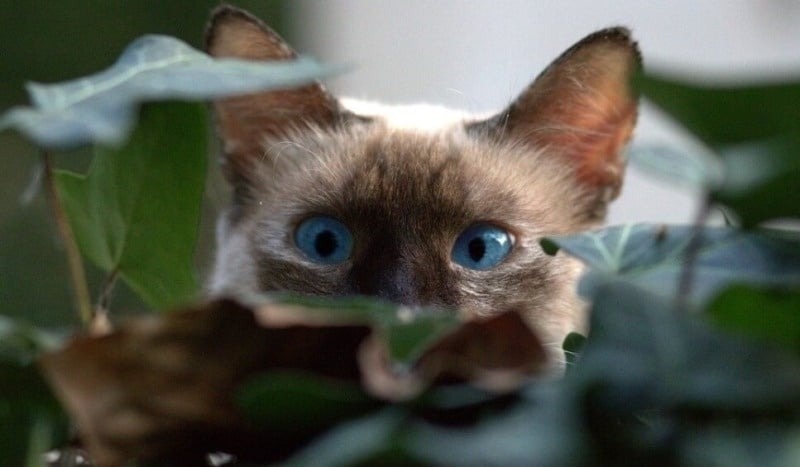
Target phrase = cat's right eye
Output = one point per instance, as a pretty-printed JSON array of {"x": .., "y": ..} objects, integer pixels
[
  {"x": 482, "y": 246},
  {"x": 324, "y": 240}
]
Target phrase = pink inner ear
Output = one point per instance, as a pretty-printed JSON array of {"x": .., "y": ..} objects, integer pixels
[
  {"x": 581, "y": 108},
  {"x": 603, "y": 161},
  {"x": 592, "y": 140},
  {"x": 245, "y": 122}
]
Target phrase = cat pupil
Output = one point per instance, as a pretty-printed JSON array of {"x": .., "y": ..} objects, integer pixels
[
  {"x": 477, "y": 248},
  {"x": 325, "y": 243}
]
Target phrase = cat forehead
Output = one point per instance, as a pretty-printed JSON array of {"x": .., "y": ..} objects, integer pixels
[
  {"x": 384, "y": 171},
  {"x": 377, "y": 163}
]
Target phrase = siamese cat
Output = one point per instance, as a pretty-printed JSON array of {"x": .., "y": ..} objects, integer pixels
[{"x": 420, "y": 205}]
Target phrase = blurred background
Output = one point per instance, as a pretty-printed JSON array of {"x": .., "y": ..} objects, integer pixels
[{"x": 475, "y": 55}]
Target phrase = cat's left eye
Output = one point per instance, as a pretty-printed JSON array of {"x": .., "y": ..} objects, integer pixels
[
  {"x": 482, "y": 246},
  {"x": 324, "y": 240}
]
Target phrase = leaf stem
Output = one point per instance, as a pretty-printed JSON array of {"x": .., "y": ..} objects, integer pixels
[
  {"x": 80, "y": 288},
  {"x": 104, "y": 299},
  {"x": 686, "y": 278}
]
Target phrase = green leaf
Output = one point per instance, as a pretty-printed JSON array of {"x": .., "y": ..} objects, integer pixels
[
  {"x": 136, "y": 211},
  {"x": 31, "y": 420},
  {"x": 652, "y": 257},
  {"x": 101, "y": 108},
  {"x": 458, "y": 398},
  {"x": 355, "y": 442},
  {"x": 657, "y": 386},
  {"x": 20, "y": 342},
  {"x": 723, "y": 116},
  {"x": 295, "y": 405},
  {"x": 291, "y": 408},
  {"x": 408, "y": 332},
  {"x": 754, "y": 131},
  {"x": 573, "y": 345},
  {"x": 409, "y": 337},
  {"x": 757, "y": 180},
  {"x": 640, "y": 350},
  {"x": 741, "y": 444},
  {"x": 692, "y": 168},
  {"x": 541, "y": 428},
  {"x": 772, "y": 315},
  {"x": 761, "y": 180},
  {"x": 358, "y": 309}
]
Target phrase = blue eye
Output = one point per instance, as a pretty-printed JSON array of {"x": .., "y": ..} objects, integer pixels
[
  {"x": 324, "y": 240},
  {"x": 482, "y": 246}
]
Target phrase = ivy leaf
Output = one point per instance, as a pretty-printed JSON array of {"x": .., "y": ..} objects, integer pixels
[
  {"x": 171, "y": 380},
  {"x": 741, "y": 444},
  {"x": 290, "y": 401},
  {"x": 290, "y": 408},
  {"x": 21, "y": 342},
  {"x": 724, "y": 116},
  {"x": 357, "y": 442},
  {"x": 31, "y": 420},
  {"x": 772, "y": 315},
  {"x": 408, "y": 340},
  {"x": 573, "y": 346},
  {"x": 640, "y": 347},
  {"x": 761, "y": 179},
  {"x": 691, "y": 168},
  {"x": 652, "y": 257},
  {"x": 754, "y": 130},
  {"x": 652, "y": 381},
  {"x": 136, "y": 211},
  {"x": 101, "y": 108},
  {"x": 408, "y": 333}
]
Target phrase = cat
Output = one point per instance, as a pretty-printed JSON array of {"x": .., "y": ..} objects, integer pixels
[{"x": 420, "y": 205}]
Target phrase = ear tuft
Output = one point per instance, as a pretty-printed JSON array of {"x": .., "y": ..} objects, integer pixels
[
  {"x": 581, "y": 109},
  {"x": 245, "y": 122}
]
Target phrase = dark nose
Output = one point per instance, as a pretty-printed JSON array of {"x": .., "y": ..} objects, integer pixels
[
  {"x": 383, "y": 273},
  {"x": 397, "y": 285},
  {"x": 390, "y": 282}
]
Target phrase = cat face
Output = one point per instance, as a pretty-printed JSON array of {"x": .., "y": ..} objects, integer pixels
[{"x": 419, "y": 205}]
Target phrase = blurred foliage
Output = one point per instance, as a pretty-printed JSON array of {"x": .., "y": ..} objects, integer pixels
[
  {"x": 46, "y": 42},
  {"x": 754, "y": 132},
  {"x": 119, "y": 211},
  {"x": 32, "y": 420},
  {"x": 653, "y": 256},
  {"x": 692, "y": 357},
  {"x": 772, "y": 315}
]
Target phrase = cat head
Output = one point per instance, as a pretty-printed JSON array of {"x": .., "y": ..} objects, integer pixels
[{"x": 420, "y": 205}]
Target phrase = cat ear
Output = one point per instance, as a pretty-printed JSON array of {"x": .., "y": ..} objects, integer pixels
[
  {"x": 581, "y": 108},
  {"x": 244, "y": 122}
]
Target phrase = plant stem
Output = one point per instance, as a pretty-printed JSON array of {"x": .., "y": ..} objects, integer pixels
[
  {"x": 104, "y": 299},
  {"x": 80, "y": 288},
  {"x": 690, "y": 256}
]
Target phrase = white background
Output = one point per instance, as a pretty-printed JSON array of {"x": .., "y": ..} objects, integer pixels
[{"x": 478, "y": 55}]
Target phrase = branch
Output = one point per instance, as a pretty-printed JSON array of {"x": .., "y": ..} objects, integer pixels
[
  {"x": 692, "y": 250},
  {"x": 80, "y": 288}
]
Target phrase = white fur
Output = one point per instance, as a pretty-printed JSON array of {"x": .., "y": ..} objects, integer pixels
[{"x": 422, "y": 118}]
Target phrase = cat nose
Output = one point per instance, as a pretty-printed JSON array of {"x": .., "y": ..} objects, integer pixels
[
  {"x": 397, "y": 286},
  {"x": 394, "y": 284}
]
